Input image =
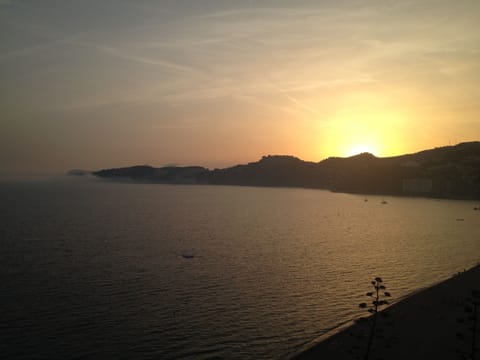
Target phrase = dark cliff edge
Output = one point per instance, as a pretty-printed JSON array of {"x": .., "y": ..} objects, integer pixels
[
  {"x": 446, "y": 172},
  {"x": 164, "y": 175}
]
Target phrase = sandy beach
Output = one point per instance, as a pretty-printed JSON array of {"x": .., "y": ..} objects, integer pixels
[{"x": 425, "y": 325}]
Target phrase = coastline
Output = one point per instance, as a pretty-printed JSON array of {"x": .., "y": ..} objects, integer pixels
[
  {"x": 423, "y": 325},
  {"x": 422, "y": 174},
  {"x": 126, "y": 180}
]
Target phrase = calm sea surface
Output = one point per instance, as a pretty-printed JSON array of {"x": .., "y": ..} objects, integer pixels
[{"x": 106, "y": 270}]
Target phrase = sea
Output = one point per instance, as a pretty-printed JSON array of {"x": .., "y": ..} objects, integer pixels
[{"x": 91, "y": 269}]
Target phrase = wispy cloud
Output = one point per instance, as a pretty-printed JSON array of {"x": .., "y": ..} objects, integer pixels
[
  {"x": 116, "y": 52},
  {"x": 294, "y": 100},
  {"x": 29, "y": 50}
]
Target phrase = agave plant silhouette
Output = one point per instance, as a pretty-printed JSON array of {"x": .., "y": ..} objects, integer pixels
[{"x": 377, "y": 301}]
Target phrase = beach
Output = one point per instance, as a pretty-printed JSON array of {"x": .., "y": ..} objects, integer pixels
[{"x": 430, "y": 324}]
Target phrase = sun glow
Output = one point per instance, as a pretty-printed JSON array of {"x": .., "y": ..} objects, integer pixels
[
  {"x": 362, "y": 148},
  {"x": 370, "y": 125}
]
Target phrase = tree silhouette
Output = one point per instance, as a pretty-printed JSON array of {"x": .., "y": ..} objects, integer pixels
[{"x": 377, "y": 301}]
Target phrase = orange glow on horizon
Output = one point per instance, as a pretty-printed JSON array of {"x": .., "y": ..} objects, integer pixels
[{"x": 366, "y": 124}]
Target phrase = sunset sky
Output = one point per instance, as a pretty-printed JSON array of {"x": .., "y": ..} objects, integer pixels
[{"x": 94, "y": 84}]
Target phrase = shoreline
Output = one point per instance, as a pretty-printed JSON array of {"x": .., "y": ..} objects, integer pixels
[
  {"x": 436, "y": 197},
  {"x": 422, "y": 325}
]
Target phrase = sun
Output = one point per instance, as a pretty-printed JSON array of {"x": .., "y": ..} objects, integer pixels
[
  {"x": 365, "y": 128},
  {"x": 356, "y": 149}
]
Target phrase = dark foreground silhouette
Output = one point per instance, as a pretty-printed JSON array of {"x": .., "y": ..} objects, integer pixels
[{"x": 432, "y": 324}]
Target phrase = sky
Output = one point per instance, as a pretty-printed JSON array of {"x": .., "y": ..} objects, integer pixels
[{"x": 101, "y": 84}]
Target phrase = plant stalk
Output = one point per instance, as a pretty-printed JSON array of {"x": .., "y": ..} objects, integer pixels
[
  {"x": 374, "y": 323},
  {"x": 474, "y": 330}
]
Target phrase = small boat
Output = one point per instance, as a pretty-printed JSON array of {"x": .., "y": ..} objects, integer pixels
[
  {"x": 187, "y": 256},
  {"x": 365, "y": 199},
  {"x": 384, "y": 202}
]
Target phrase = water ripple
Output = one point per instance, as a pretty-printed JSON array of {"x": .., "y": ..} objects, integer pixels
[{"x": 93, "y": 270}]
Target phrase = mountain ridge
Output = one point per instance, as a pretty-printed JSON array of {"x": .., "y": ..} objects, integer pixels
[{"x": 448, "y": 172}]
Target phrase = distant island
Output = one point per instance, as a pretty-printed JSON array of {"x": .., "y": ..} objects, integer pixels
[{"x": 445, "y": 172}]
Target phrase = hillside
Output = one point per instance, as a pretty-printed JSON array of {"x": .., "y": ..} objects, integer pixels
[
  {"x": 145, "y": 173},
  {"x": 451, "y": 171},
  {"x": 277, "y": 170}
]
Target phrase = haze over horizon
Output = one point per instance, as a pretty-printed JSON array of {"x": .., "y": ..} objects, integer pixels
[{"x": 92, "y": 85}]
